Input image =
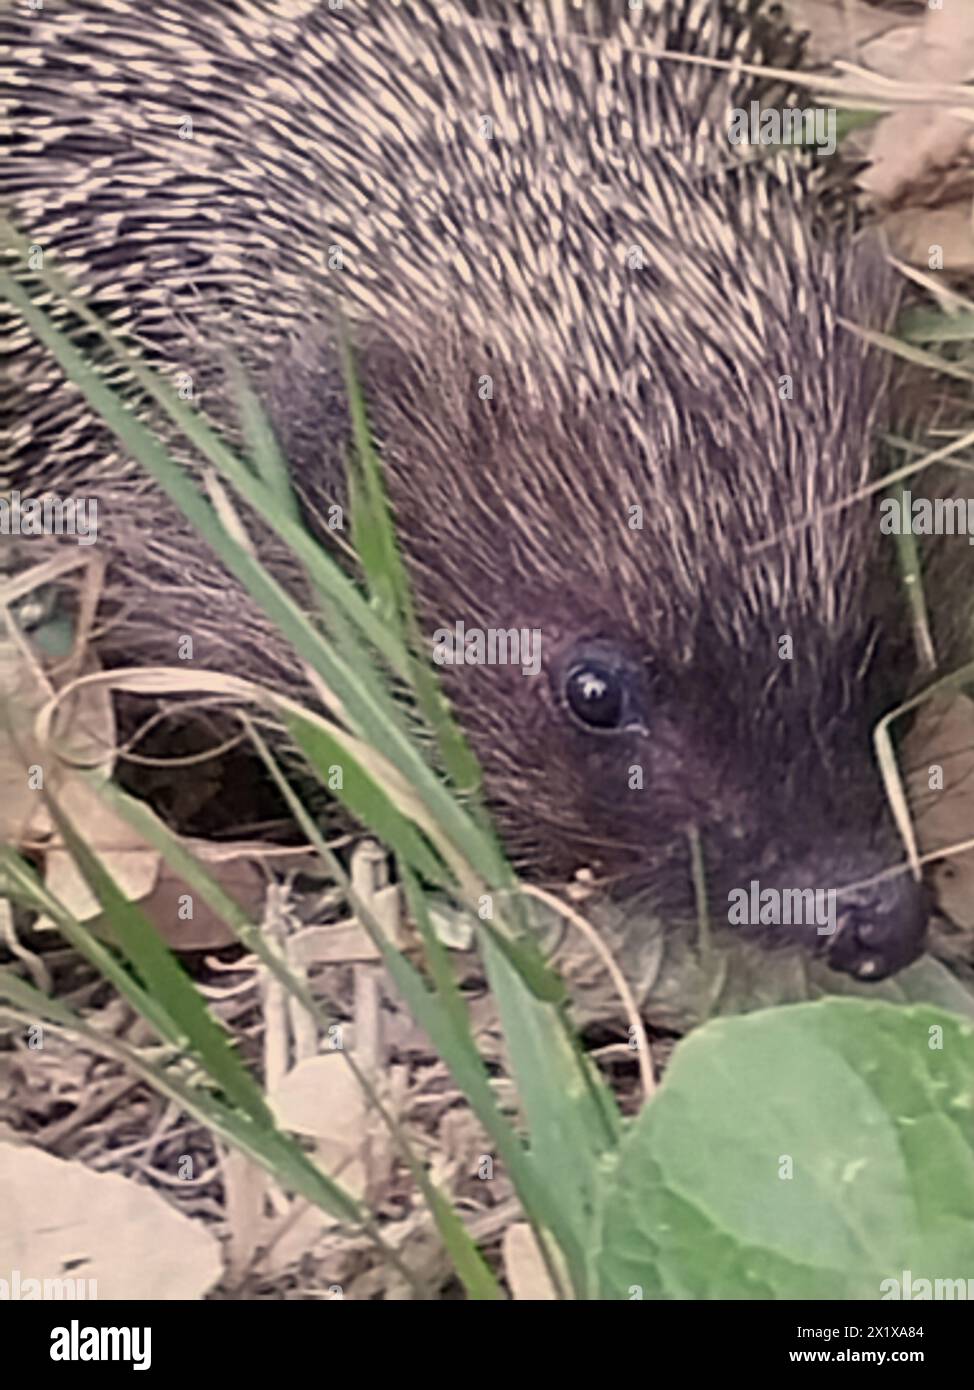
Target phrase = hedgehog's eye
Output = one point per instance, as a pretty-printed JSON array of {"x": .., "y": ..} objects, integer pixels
[
  {"x": 602, "y": 685},
  {"x": 596, "y": 694}
]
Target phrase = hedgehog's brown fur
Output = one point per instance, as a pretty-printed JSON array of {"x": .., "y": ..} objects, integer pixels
[{"x": 322, "y": 136}]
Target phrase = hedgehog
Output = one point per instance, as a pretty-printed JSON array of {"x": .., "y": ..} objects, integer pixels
[{"x": 610, "y": 372}]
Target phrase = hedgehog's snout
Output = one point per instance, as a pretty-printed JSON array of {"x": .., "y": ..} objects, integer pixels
[{"x": 880, "y": 928}]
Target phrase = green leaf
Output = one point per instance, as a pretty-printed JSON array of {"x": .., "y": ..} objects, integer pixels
[
  {"x": 379, "y": 554},
  {"x": 366, "y": 799},
  {"x": 571, "y": 1115},
  {"x": 263, "y": 450},
  {"x": 806, "y": 1152},
  {"x": 470, "y": 1265}
]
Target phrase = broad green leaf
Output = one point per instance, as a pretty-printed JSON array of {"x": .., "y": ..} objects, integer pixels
[{"x": 807, "y": 1152}]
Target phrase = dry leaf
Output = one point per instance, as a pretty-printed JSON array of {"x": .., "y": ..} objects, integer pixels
[
  {"x": 167, "y": 900},
  {"x": 908, "y": 143},
  {"x": 913, "y": 231},
  {"x": 943, "y": 738},
  {"x": 321, "y": 1099},
  {"x": 245, "y": 1186},
  {"x": 59, "y": 1220},
  {"x": 83, "y": 732},
  {"x": 525, "y": 1269},
  {"x": 836, "y": 28}
]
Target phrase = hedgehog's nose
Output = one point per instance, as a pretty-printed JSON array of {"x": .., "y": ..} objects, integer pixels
[{"x": 880, "y": 928}]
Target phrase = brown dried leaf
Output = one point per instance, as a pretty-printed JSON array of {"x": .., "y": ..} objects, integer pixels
[
  {"x": 59, "y": 1220},
  {"x": 940, "y": 747},
  {"x": 909, "y": 142}
]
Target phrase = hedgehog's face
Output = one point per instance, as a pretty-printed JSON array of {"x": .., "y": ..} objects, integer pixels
[
  {"x": 609, "y": 761},
  {"x": 662, "y": 705}
]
